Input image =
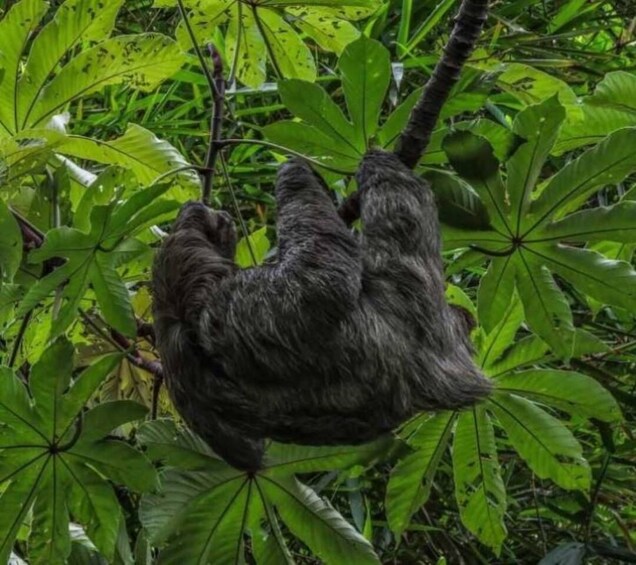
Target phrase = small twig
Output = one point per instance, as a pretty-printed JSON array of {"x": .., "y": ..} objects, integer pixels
[
  {"x": 237, "y": 210},
  {"x": 283, "y": 149},
  {"x": 589, "y": 517},
  {"x": 218, "y": 96}
]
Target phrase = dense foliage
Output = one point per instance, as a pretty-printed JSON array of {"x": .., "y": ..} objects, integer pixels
[{"x": 104, "y": 123}]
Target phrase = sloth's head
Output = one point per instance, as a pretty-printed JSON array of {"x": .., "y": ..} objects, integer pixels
[{"x": 216, "y": 226}]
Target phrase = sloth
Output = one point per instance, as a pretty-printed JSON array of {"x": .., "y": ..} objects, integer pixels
[{"x": 338, "y": 339}]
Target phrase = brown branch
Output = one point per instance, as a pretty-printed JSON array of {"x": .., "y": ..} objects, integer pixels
[
  {"x": 218, "y": 96},
  {"x": 417, "y": 134}
]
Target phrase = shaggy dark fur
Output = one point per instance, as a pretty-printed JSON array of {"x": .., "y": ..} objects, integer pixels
[{"x": 338, "y": 340}]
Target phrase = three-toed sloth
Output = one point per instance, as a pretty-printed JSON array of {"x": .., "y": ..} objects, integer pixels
[{"x": 337, "y": 340}]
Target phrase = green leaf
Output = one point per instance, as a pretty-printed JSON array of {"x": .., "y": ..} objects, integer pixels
[
  {"x": 495, "y": 291},
  {"x": 533, "y": 86},
  {"x": 312, "y": 142},
  {"x": 613, "y": 223},
  {"x": 317, "y": 523},
  {"x": 45, "y": 463},
  {"x": 138, "y": 150},
  {"x": 607, "y": 163},
  {"x": 10, "y": 245},
  {"x": 609, "y": 282},
  {"x": 610, "y": 108},
  {"x": 140, "y": 61},
  {"x": 365, "y": 67},
  {"x": 288, "y": 52},
  {"x": 75, "y": 21},
  {"x": 15, "y": 29},
  {"x": 548, "y": 447},
  {"x": 473, "y": 158},
  {"x": 213, "y": 529},
  {"x": 458, "y": 204},
  {"x": 313, "y": 105},
  {"x": 204, "y": 513},
  {"x": 289, "y": 459},
  {"x": 539, "y": 125},
  {"x": 246, "y": 46},
  {"x": 572, "y": 392},
  {"x": 502, "y": 335},
  {"x": 546, "y": 307},
  {"x": 479, "y": 488},
  {"x": 93, "y": 257},
  {"x": 412, "y": 478},
  {"x": 328, "y": 30},
  {"x": 259, "y": 245}
]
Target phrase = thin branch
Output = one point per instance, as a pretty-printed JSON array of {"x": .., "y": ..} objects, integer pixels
[
  {"x": 237, "y": 210},
  {"x": 218, "y": 94}
]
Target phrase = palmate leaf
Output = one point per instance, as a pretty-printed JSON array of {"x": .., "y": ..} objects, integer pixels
[
  {"x": 528, "y": 238},
  {"x": 75, "y": 21},
  {"x": 325, "y": 133},
  {"x": 141, "y": 61},
  {"x": 205, "y": 507},
  {"x": 92, "y": 257},
  {"x": 267, "y": 30},
  {"x": 48, "y": 461},
  {"x": 523, "y": 405},
  {"x": 33, "y": 96}
]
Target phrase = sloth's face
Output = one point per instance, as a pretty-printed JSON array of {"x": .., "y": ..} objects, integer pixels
[{"x": 216, "y": 226}]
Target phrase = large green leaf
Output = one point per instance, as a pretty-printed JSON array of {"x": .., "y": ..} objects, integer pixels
[
  {"x": 479, "y": 488},
  {"x": 464, "y": 149},
  {"x": 92, "y": 258},
  {"x": 141, "y": 61},
  {"x": 15, "y": 29},
  {"x": 546, "y": 307},
  {"x": 548, "y": 447},
  {"x": 539, "y": 125},
  {"x": 574, "y": 393},
  {"x": 313, "y": 105},
  {"x": 49, "y": 463},
  {"x": 495, "y": 291},
  {"x": 138, "y": 150},
  {"x": 412, "y": 478},
  {"x": 264, "y": 31},
  {"x": 611, "y": 107},
  {"x": 608, "y": 281},
  {"x": 366, "y": 72},
  {"x": 74, "y": 22},
  {"x": 202, "y": 515},
  {"x": 286, "y": 49},
  {"x": 325, "y": 26},
  {"x": 607, "y": 163},
  {"x": 530, "y": 228}
]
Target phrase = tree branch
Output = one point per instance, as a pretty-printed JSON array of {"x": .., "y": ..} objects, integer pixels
[{"x": 417, "y": 134}]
